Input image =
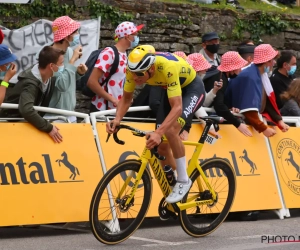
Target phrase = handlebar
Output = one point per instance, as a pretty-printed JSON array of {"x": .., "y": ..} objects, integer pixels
[{"x": 137, "y": 133}]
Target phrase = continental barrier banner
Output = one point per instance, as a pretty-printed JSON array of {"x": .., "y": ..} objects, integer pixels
[
  {"x": 28, "y": 40},
  {"x": 256, "y": 185},
  {"x": 45, "y": 182},
  {"x": 286, "y": 153}
]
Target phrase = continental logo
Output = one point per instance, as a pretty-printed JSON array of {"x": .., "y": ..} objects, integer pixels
[
  {"x": 250, "y": 163},
  {"x": 245, "y": 167},
  {"x": 42, "y": 171},
  {"x": 288, "y": 163},
  {"x": 241, "y": 168}
]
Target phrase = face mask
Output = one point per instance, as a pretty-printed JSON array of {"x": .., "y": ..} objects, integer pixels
[
  {"x": 135, "y": 42},
  {"x": 213, "y": 48},
  {"x": 292, "y": 70},
  {"x": 60, "y": 68},
  {"x": 266, "y": 69},
  {"x": 75, "y": 41},
  {"x": 2, "y": 73}
]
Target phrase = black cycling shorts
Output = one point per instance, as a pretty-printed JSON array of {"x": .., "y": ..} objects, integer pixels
[{"x": 193, "y": 96}]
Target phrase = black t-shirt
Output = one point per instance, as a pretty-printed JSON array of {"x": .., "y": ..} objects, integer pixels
[{"x": 280, "y": 84}]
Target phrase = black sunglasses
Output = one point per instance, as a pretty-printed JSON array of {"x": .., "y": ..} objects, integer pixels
[{"x": 140, "y": 74}]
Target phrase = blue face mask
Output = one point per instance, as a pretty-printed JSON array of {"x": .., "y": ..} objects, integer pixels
[
  {"x": 292, "y": 70},
  {"x": 135, "y": 42},
  {"x": 2, "y": 73},
  {"x": 266, "y": 69},
  {"x": 75, "y": 41},
  {"x": 60, "y": 68}
]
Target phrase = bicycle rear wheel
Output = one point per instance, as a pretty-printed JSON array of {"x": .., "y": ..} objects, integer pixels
[
  {"x": 111, "y": 220},
  {"x": 204, "y": 219}
]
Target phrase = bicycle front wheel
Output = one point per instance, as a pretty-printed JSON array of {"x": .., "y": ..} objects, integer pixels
[
  {"x": 204, "y": 219},
  {"x": 111, "y": 220}
]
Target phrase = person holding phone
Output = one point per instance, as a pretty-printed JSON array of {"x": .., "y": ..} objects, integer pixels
[
  {"x": 7, "y": 69},
  {"x": 66, "y": 37},
  {"x": 231, "y": 65}
]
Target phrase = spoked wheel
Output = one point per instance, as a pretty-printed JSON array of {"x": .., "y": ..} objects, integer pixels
[
  {"x": 204, "y": 219},
  {"x": 112, "y": 220}
]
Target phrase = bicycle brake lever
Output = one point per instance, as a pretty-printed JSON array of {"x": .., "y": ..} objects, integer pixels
[{"x": 108, "y": 136}]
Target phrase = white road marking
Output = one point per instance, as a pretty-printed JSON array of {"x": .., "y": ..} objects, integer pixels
[
  {"x": 246, "y": 237},
  {"x": 160, "y": 242}
]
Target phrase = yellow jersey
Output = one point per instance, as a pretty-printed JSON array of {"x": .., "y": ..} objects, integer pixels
[{"x": 171, "y": 71}]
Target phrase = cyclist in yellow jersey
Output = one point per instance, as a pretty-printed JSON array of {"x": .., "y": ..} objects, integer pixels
[{"x": 185, "y": 95}]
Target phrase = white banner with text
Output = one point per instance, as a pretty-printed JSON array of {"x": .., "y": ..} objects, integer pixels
[{"x": 28, "y": 40}]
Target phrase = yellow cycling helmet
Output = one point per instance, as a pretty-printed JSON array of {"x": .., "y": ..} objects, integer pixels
[{"x": 141, "y": 58}]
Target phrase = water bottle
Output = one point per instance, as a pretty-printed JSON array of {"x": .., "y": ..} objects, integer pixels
[{"x": 170, "y": 175}]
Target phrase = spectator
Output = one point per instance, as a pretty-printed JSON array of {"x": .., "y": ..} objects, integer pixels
[
  {"x": 108, "y": 96},
  {"x": 291, "y": 97},
  {"x": 247, "y": 42},
  {"x": 211, "y": 44},
  {"x": 65, "y": 33},
  {"x": 247, "y": 53},
  {"x": 35, "y": 87},
  {"x": 7, "y": 69},
  {"x": 251, "y": 92},
  {"x": 283, "y": 74},
  {"x": 230, "y": 67}
]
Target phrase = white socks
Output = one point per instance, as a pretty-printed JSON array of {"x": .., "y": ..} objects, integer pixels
[{"x": 181, "y": 170}]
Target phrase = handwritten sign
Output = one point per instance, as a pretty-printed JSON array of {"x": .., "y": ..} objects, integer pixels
[{"x": 28, "y": 40}]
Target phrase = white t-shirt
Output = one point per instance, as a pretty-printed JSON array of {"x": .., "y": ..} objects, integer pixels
[{"x": 114, "y": 87}]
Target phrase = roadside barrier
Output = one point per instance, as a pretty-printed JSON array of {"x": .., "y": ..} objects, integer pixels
[{"x": 43, "y": 182}]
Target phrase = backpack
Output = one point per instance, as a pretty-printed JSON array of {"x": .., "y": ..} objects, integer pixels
[{"x": 90, "y": 63}]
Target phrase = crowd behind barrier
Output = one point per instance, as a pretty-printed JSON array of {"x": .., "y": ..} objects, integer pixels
[
  {"x": 237, "y": 82},
  {"x": 54, "y": 182}
]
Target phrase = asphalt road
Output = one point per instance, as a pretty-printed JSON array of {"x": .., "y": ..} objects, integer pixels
[{"x": 154, "y": 234}]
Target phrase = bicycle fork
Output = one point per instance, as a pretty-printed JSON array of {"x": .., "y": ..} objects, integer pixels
[{"x": 135, "y": 185}]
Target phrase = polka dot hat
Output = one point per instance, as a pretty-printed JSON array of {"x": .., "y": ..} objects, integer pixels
[
  {"x": 264, "y": 53},
  {"x": 231, "y": 60},
  {"x": 127, "y": 28},
  {"x": 180, "y": 54},
  {"x": 63, "y": 26},
  {"x": 198, "y": 62}
]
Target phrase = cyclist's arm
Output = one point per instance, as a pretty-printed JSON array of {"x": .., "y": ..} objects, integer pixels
[
  {"x": 123, "y": 105},
  {"x": 175, "y": 113},
  {"x": 126, "y": 99},
  {"x": 175, "y": 100}
]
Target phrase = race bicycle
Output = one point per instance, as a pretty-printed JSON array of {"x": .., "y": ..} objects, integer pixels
[{"x": 122, "y": 197}]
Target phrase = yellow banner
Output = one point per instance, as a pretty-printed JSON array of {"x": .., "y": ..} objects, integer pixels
[
  {"x": 256, "y": 186},
  {"x": 286, "y": 154},
  {"x": 44, "y": 182}
]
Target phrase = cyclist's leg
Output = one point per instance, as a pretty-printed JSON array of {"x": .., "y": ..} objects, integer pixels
[{"x": 193, "y": 97}]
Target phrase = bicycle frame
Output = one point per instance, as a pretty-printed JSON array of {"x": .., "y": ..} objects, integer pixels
[{"x": 160, "y": 176}]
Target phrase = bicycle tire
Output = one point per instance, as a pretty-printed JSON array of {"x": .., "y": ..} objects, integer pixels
[
  {"x": 185, "y": 222},
  {"x": 97, "y": 228}
]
